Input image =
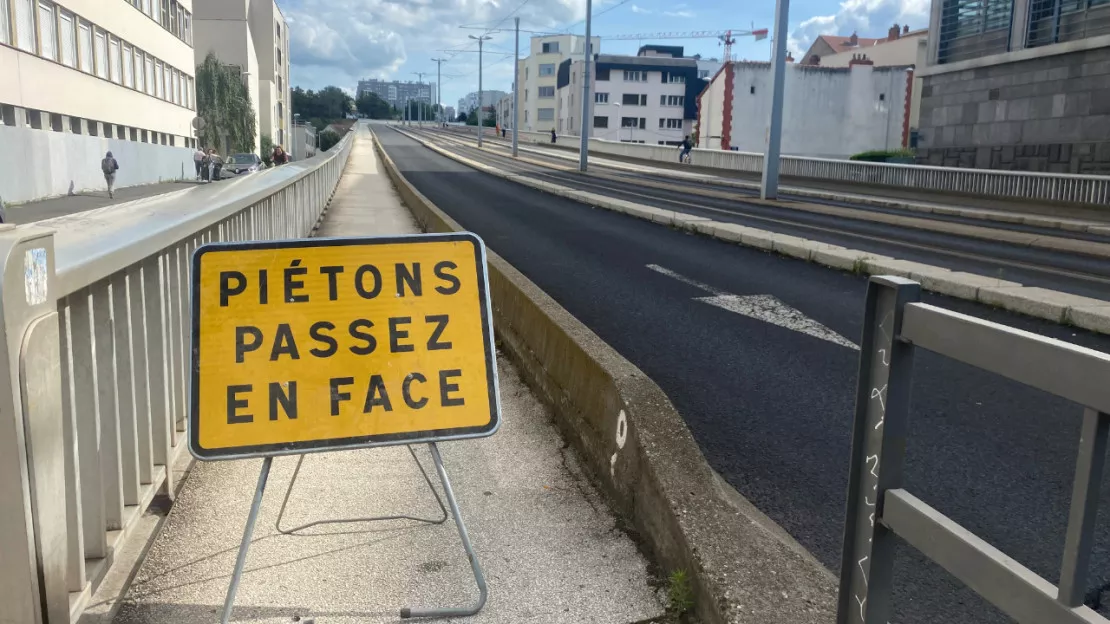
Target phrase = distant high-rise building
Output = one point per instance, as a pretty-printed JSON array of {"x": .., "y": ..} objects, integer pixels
[
  {"x": 450, "y": 111},
  {"x": 398, "y": 93},
  {"x": 489, "y": 100}
]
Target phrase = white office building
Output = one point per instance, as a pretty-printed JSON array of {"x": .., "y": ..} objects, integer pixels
[
  {"x": 490, "y": 98},
  {"x": 647, "y": 98},
  {"x": 538, "y": 77},
  {"x": 252, "y": 35},
  {"x": 80, "y": 77}
]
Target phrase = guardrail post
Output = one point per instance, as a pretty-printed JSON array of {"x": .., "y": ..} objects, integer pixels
[
  {"x": 1084, "y": 507},
  {"x": 33, "y": 535},
  {"x": 878, "y": 450}
]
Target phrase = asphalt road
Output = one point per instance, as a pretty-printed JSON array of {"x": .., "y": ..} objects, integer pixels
[
  {"x": 771, "y": 407},
  {"x": 1076, "y": 273}
]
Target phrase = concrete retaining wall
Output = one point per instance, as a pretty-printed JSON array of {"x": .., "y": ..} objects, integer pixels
[
  {"x": 642, "y": 455},
  {"x": 35, "y": 164}
]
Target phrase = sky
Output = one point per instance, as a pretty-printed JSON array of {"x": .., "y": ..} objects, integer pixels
[{"x": 338, "y": 42}]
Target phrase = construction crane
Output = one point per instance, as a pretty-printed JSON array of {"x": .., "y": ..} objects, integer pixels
[{"x": 726, "y": 37}]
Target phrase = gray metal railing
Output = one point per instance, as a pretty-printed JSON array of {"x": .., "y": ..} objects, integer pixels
[
  {"x": 1049, "y": 187},
  {"x": 92, "y": 416},
  {"x": 879, "y": 508}
]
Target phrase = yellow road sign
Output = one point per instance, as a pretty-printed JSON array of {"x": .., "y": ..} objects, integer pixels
[{"x": 322, "y": 344}]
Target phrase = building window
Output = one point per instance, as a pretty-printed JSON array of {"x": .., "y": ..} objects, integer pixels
[
  {"x": 85, "y": 47},
  {"x": 188, "y": 28},
  {"x": 94, "y": 127},
  {"x": 546, "y": 92},
  {"x": 634, "y": 99},
  {"x": 547, "y": 69},
  {"x": 601, "y": 98},
  {"x": 601, "y": 122},
  {"x": 55, "y": 122},
  {"x": 149, "y": 76},
  {"x": 602, "y": 73},
  {"x": 670, "y": 124},
  {"x": 703, "y": 73},
  {"x": 114, "y": 61},
  {"x": 672, "y": 100},
  {"x": 68, "y": 38},
  {"x": 551, "y": 48},
  {"x": 671, "y": 78},
  {"x": 545, "y": 114},
  {"x": 140, "y": 82},
  {"x": 974, "y": 28},
  {"x": 635, "y": 76},
  {"x": 148, "y": 8},
  {"x": 164, "y": 20},
  {"x": 128, "y": 66},
  {"x": 145, "y": 137},
  {"x": 134, "y": 134},
  {"x": 48, "y": 35},
  {"x": 25, "y": 25},
  {"x": 101, "y": 54},
  {"x": 634, "y": 122},
  {"x": 5, "y": 21},
  {"x": 160, "y": 80}
]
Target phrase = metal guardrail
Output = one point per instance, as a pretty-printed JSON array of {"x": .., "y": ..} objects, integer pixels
[
  {"x": 1026, "y": 185},
  {"x": 879, "y": 509},
  {"x": 94, "y": 308}
]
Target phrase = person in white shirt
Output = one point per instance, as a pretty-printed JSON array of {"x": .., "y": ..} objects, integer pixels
[{"x": 198, "y": 160}]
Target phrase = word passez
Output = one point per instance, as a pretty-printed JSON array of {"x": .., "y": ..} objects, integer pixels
[{"x": 377, "y": 323}]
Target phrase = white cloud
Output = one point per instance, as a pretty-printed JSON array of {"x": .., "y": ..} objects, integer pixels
[
  {"x": 678, "y": 13},
  {"x": 641, "y": 10},
  {"x": 340, "y": 41},
  {"x": 868, "y": 18}
]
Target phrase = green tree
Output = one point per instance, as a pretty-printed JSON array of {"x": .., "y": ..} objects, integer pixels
[
  {"x": 267, "y": 149},
  {"x": 329, "y": 103},
  {"x": 373, "y": 106},
  {"x": 464, "y": 118},
  {"x": 328, "y": 139},
  {"x": 224, "y": 102}
]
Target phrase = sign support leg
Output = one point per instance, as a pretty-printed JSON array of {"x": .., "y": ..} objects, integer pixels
[
  {"x": 479, "y": 578},
  {"x": 423, "y": 472},
  {"x": 248, "y": 531}
]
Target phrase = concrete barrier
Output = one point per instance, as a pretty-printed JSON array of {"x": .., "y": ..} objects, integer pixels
[{"x": 742, "y": 567}]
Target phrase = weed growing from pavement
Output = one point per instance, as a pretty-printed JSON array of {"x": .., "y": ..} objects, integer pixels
[{"x": 680, "y": 596}]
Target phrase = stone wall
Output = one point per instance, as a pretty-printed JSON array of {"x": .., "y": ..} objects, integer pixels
[{"x": 1050, "y": 113}]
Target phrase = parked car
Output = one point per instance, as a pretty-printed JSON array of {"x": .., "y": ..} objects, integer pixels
[{"x": 241, "y": 164}]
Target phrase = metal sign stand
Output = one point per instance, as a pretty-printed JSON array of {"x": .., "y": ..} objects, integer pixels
[{"x": 406, "y": 612}]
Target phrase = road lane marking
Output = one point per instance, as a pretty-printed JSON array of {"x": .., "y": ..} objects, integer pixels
[{"x": 766, "y": 308}]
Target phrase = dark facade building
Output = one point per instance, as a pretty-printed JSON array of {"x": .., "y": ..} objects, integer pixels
[{"x": 1017, "y": 84}]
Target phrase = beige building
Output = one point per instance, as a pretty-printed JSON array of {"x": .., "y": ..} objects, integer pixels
[
  {"x": 538, "y": 76},
  {"x": 120, "y": 69},
  {"x": 253, "y": 35}
]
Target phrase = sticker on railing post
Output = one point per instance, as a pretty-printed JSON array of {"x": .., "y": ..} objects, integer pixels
[{"x": 323, "y": 344}]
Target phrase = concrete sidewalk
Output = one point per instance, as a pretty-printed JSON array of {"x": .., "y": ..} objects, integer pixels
[
  {"x": 30, "y": 212},
  {"x": 551, "y": 550}
]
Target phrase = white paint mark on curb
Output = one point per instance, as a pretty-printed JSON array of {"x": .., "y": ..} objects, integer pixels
[{"x": 622, "y": 437}]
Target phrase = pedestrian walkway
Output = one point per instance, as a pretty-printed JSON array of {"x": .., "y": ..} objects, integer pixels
[
  {"x": 59, "y": 206},
  {"x": 551, "y": 549}
]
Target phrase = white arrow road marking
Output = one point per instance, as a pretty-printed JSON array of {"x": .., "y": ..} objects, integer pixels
[{"x": 765, "y": 308}]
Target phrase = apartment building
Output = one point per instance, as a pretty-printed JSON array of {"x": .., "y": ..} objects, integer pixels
[
  {"x": 253, "y": 36},
  {"x": 647, "y": 98},
  {"x": 490, "y": 98},
  {"x": 1017, "y": 84},
  {"x": 79, "y": 77},
  {"x": 398, "y": 92},
  {"x": 538, "y": 75},
  {"x": 104, "y": 68}
]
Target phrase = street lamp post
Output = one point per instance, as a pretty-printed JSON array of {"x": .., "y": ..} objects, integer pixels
[
  {"x": 516, "y": 85},
  {"x": 481, "y": 121},
  {"x": 439, "y": 88},
  {"x": 584, "y": 148},
  {"x": 769, "y": 186},
  {"x": 420, "y": 83}
]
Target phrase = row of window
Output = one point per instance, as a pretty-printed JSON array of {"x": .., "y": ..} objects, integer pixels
[
  {"x": 630, "y": 75},
  {"x": 171, "y": 15},
  {"x": 640, "y": 99},
  {"x": 640, "y": 122},
  {"x": 68, "y": 39},
  {"x": 42, "y": 120}
]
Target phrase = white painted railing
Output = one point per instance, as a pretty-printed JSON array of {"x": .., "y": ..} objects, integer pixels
[
  {"x": 1050, "y": 187},
  {"x": 95, "y": 311}
]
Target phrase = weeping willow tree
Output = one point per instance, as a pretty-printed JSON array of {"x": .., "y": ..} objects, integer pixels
[{"x": 224, "y": 102}]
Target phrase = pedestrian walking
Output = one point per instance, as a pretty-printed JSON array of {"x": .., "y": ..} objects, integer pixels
[
  {"x": 553, "y": 137},
  {"x": 215, "y": 163},
  {"x": 109, "y": 167},
  {"x": 198, "y": 161}
]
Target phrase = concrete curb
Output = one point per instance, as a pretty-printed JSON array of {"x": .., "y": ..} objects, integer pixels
[
  {"x": 637, "y": 447},
  {"x": 983, "y": 214},
  {"x": 1083, "y": 312}
]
